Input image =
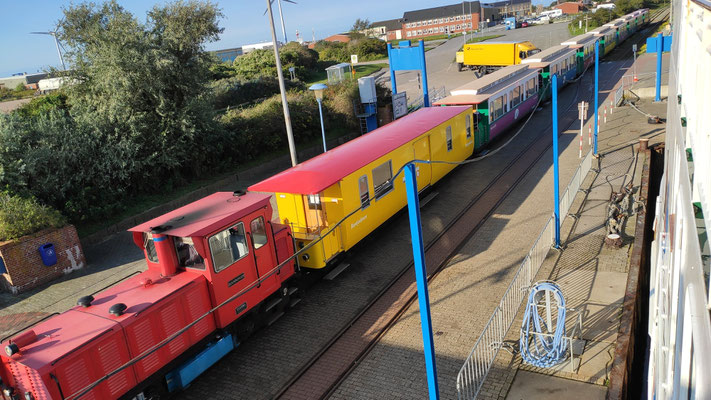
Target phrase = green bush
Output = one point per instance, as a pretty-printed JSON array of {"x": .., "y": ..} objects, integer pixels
[
  {"x": 367, "y": 49},
  {"x": 23, "y": 216},
  {"x": 261, "y": 63},
  {"x": 20, "y": 87},
  {"x": 231, "y": 92}
]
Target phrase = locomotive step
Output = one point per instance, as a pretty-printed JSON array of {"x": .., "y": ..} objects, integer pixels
[
  {"x": 336, "y": 271},
  {"x": 272, "y": 303},
  {"x": 274, "y": 318}
]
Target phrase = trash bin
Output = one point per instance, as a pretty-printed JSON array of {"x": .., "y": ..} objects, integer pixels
[
  {"x": 49, "y": 256},
  {"x": 2, "y": 266}
]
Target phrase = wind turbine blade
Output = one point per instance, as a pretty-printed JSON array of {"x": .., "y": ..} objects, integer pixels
[
  {"x": 265, "y": 11},
  {"x": 292, "y": 2},
  {"x": 41, "y": 33}
]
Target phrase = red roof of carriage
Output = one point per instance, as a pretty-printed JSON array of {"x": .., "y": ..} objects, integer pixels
[{"x": 318, "y": 173}]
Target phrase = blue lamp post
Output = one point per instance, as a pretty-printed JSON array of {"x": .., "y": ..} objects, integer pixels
[{"x": 318, "y": 89}]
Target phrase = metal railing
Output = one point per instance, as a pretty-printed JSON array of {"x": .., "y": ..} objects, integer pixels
[
  {"x": 569, "y": 195},
  {"x": 419, "y": 101},
  {"x": 473, "y": 373}
]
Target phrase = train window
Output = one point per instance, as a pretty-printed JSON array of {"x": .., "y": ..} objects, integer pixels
[
  {"x": 314, "y": 202},
  {"x": 382, "y": 176},
  {"x": 228, "y": 246},
  {"x": 188, "y": 257},
  {"x": 531, "y": 87},
  {"x": 516, "y": 96},
  {"x": 150, "y": 248},
  {"x": 449, "y": 138},
  {"x": 259, "y": 232},
  {"x": 498, "y": 109},
  {"x": 468, "y": 122},
  {"x": 364, "y": 191}
]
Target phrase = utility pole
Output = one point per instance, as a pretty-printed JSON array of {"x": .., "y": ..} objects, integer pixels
[{"x": 282, "y": 89}]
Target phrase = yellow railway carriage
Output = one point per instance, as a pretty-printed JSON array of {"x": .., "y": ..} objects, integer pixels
[{"x": 315, "y": 195}]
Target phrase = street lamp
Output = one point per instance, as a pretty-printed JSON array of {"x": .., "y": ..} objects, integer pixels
[{"x": 318, "y": 89}]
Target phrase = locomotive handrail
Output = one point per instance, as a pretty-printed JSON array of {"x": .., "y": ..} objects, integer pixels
[
  {"x": 28, "y": 326},
  {"x": 115, "y": 282}
]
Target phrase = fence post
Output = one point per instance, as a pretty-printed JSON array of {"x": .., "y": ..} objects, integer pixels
[{"x": 597, "y": 71}]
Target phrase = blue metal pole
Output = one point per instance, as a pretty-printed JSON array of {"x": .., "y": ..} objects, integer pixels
[
  {"x": 392, "y": 70},
  {"x": 597, "y": 73},
  {"x": 323, "y": 132},
  {"x": 423, "y": 297},
  {"x": 556, "y": 177},
  {"x": 660, "y": 43},
  {"x": 425, "y": 90}
]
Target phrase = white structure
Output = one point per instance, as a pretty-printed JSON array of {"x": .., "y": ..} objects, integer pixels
[
  {"x": 552, "y": 13},
  {"x": 50, "y": 84},
  {"x": 259, "y": 46},
  {"x": 607, "y": 6},
  {"x": 680, "y": 299}
]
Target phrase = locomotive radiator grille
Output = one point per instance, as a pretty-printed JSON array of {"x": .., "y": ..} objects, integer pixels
[
  {"x": 28, "y": 380},
  {"x": 110, "y": 359}
]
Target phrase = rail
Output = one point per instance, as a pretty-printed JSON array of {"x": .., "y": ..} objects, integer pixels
[{"x": 473, "y": 373}]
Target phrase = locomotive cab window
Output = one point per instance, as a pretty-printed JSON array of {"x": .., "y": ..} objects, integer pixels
[
  {"x": 188, "y": 257},
  {"x": 151, "y": 252},
  {"x": 449, "y": 138},
  {"x": 228, "y": 246},
  {"x": 382, "y": 176},
  {"x": 259, "y": 232},
  {"x": 364, "y": 191}
]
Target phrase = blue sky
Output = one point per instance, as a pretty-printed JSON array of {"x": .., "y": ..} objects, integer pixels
[{"x": 243, "y": 22}]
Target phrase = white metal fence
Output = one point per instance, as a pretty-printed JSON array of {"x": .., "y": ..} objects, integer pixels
[
  {"x": 680, "y": 298},
  {"x": 476, "y": 367},
  {"x": 419, "y": 101}
]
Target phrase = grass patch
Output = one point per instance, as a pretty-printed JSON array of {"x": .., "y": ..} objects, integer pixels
[
  {"x": 361, "y": 70},
  {"x": 145, "y": 202},
  {"x": 443, "y": 36},
  {"x": 8, "y": 95}
]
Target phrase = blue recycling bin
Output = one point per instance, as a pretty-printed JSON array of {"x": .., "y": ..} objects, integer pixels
[
  {"x": 2, "y": 266},
  {"x": 49, "y": 256}
]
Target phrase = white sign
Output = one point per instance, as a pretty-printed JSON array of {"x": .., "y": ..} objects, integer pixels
[
  {"x": 634, "y": 48},
  {"x": 399, "y": 104},
  {"x": 354, "y": 58}
]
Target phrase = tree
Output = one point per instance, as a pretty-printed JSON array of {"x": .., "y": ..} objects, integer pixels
[
  {"x": 148, "y": 82},
  {"x": 359, "y": 28},
  {"x": 20, "y": 87}
]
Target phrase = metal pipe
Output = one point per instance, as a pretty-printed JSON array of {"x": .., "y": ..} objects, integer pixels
[
  {"x": 556, "y": 177},
  {"x": 596, "y": 95},
  {"x": 282, "y": 90},
  {"x": 323, "y": 132},
  {"x": 418, "y": 252}
]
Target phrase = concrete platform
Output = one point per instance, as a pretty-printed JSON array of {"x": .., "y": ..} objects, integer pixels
[{"x": 530, "y": 386}]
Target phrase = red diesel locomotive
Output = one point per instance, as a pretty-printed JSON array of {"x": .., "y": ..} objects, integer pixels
[{"x": 158, "y": 330}]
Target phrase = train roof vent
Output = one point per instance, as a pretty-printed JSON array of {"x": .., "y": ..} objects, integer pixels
[
  {"x": 85, "y": 301},
  {"x": 117, "y": 309}
]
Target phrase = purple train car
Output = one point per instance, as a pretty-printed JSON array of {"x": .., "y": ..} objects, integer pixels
[{"x": 498, "y": 100}]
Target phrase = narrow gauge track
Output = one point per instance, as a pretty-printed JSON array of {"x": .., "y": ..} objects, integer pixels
[
  {"x": 327, "y": 369},
  {"x": 323, "y": 373}
]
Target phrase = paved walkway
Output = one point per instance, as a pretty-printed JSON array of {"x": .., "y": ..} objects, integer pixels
[{"x": 464, "y": 295}]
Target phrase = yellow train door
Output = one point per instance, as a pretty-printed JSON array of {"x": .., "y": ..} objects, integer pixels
[
  {"x": 314, "y": 212},
  {"x": 424, "y": 171}
]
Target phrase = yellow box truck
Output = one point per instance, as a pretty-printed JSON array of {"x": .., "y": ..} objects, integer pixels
[{"x": 487, "y": 57}]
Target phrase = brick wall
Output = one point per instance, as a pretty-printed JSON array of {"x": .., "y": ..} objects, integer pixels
[{"x": 23, "y": 263}]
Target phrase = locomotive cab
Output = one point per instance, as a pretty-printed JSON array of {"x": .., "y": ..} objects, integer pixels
[{"x": 228, "y": 238}]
